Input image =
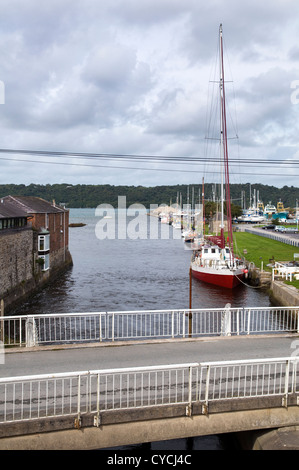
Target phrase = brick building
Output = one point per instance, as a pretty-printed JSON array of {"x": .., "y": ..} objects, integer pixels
[{"x": 33, "y": 245}]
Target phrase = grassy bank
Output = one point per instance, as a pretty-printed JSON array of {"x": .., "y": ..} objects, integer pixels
[{"x": 262, "y": 249}]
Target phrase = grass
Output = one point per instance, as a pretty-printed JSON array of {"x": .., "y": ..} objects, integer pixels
[
  {"x": 262, "y": 249},
  {"x": 292, "y": 283}
]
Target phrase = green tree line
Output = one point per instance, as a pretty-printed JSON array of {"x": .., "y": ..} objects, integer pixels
[{"x": 87, "y": 195}]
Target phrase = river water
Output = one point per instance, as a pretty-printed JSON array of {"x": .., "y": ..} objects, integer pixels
[
  {"x": 133, "y": 263},
  {"x": 112, "y": 274}
]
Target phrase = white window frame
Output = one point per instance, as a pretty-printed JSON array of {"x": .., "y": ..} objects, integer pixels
[
  {"x": 46, "y": 259},
  {"x": 46, "y": 243}
]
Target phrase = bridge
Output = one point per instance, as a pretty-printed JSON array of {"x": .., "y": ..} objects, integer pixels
[{"x": 176, "y": 386}]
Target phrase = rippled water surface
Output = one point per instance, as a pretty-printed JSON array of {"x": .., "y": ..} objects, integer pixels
[{"x": 131, "y": 274}]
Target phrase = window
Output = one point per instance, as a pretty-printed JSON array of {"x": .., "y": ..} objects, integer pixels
[
  {"x": 44, "y": 242},
  {"x": 46, "y": 259}
]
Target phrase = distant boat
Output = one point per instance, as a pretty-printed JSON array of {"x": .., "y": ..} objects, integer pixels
[
  {"x": 215, "y": 262},
  {"x": 251, "y": 218},
  {"x": 269, "y": 209}
]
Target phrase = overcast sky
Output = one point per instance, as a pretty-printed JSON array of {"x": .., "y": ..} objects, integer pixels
[{"x": 133, "y": 77}]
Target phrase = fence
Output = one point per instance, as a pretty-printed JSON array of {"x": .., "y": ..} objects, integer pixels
[
  {"x": 77, "y": 393},
  {"x": 273, "y": 236},
  {"x": 32, "y": 330},
  {"x": 285, "y": 270}
]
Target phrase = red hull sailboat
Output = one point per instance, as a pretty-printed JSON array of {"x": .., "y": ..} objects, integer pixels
[{"x": 215, "y": 262}]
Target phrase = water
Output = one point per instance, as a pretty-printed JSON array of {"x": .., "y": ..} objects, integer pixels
[
  {"x": 135, "y": 274},
  {"x": 127, "y": 274}
]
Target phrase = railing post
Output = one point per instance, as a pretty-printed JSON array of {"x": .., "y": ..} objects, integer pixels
[
  {"x": 30, "y": 332},
  {"x": 78, "y": 419},
  {"x": 205, "y": 407},
  {"x": 238, "y": 322},
  {"x": 20, "y": 330},
  {"x": 112, "y": 332},
  {"x": 286, "y": 385},
  {"x": 189, "y": 407},
  {"x": 190, "y": 324},
  {"x": 172, "y": 324},
  {"x": 96, "y": 421},
  {"x": 226, "y": 321},
  {"x": 100, "y": 326},
  {"x": 184, "y": 324},
  {"x": 248, "y": 321}
]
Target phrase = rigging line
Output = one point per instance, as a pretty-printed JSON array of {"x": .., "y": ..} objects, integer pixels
[
  {"x": 132, "y": 168},
  {"x": 247, "y": 285}
]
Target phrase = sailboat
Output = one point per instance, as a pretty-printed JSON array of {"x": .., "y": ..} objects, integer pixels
[{"x": 215, "y": 262}]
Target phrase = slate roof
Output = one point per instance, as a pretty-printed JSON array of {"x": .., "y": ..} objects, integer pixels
[{"x": 22, "y": 206}]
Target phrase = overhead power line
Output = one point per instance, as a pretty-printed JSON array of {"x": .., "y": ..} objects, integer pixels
[
  {"x": 181, "y": 159},
  {"x": 161, "y": 159}
]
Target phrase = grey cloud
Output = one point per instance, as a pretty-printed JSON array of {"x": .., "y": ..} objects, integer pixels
[{"x": 131, "y": 77}]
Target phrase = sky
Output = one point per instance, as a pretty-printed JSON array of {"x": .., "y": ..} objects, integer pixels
[{"x": 132, "y": 77}]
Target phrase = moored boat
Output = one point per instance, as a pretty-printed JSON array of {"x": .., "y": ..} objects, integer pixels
[
  {"x": 215, "y": 262},
  {"x": 217, "y": 266}
]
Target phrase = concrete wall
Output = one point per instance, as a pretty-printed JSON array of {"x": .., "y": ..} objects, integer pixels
[
  {"x": 154, "y": 428},
  {"x": 284, "y": 295}
]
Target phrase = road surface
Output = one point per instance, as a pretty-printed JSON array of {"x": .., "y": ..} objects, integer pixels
[{"x": 94, "y": 357}]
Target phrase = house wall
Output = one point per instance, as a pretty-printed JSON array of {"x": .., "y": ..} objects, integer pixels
[
  {"x": 20, "y": 275},
  {"x": 16, "y": 261},
  {"x": 215, "y": 226},
  {"x": 56, "y": 224}
]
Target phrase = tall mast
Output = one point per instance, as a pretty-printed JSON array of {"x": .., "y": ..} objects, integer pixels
[
  {"x": 203, "y": 206},
  {"x": 221, "y": 87},
  {"x": 224, "y": 152}
]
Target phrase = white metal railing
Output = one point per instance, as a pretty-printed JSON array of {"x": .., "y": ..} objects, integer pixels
[
  {"x": 248, "y": 379},
  {"x": 32, "y": 330},
  {"x": 286, "y": 270},
  {"x": 77, "y": 393}
]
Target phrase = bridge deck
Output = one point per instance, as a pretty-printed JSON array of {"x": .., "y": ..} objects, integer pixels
[
  {"x": 109, "y": 426},
  {"x": 68, "y": 358}
]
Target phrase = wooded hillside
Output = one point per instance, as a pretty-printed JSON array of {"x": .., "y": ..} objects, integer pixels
[{"x": 75, "y": 196}]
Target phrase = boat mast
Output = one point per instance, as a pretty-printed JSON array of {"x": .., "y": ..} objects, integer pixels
[
  {"x": 203, "y": 207},
  {"x": 224, "y": 151}
]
